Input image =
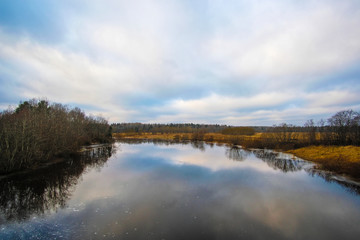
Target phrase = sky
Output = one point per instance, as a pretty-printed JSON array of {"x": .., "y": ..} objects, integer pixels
[{"x": 236, "y": 62}]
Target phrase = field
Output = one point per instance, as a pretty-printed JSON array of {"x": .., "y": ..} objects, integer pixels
[{"x": 208, "y": 137}]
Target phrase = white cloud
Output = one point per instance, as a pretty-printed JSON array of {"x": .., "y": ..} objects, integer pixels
[
  {"x": 107, "y": 57},
  {"x": 215, "y": 103},
  {"x": 295, "y": 115},
  {"x": 332, "y": 98},
  {"x": 123, "y": 43},
  {"x": 104, "y": 61},
  {"x": 244, "y": 62},
  {"x": 262, "y": 109},
  {"x": 63, "y": 76},
  {"x": 274, "y": 39}
]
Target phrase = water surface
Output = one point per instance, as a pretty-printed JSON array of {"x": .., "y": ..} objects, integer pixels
[{"x": 179, "y": 191}]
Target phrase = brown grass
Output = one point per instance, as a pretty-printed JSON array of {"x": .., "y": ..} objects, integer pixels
[
  {"x": 341, "y": 159},
  {"x": 209, "y": 137}
]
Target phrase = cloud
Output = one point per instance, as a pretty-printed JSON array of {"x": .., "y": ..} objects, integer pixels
[
  {"x": 249, "y": 62},
  {"x": 332, "y": 98},
  {"x": 216, "y": 103},
  {"x": 277, "y": 40},
  {"x": 64, "y": 76},
  {"x": 262, "y": 109}
]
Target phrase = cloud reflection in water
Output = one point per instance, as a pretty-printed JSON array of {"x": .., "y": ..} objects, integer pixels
[{"x": 175, "y": 191}]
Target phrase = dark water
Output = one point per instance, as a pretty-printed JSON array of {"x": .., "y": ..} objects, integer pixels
[{"x": 177, "y": 191}]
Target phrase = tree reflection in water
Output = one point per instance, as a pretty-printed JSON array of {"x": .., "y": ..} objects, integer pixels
[
  {"x": 45, "y": 190},
  {"x": 48, "y": 189},
  {"x": 283, "y": 162},
  {"x": 160, "y": 142},
  {"x": 276, "y": 160},
  {"x": 236, "y": 153},
  {"x": 350, "y": 186},
  {"x": 280, "y": 161}
]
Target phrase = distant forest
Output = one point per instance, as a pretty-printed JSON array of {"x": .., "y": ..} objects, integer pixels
[
  {"x": 174, "y": 128},
  {"x": 37, "y": 131},
  {"x": 343, "y": 128}
]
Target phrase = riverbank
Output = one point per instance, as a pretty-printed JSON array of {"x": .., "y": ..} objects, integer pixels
[{"x": 339, "y": 159}]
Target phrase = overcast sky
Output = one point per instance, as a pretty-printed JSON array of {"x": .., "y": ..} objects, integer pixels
[{"x": 239, "y": 62}]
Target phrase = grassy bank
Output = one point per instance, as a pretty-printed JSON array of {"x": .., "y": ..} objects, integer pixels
[{"x": 339, "y": 159}]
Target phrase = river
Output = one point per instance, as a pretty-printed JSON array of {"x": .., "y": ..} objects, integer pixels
[{"x": 161, "y": 190}]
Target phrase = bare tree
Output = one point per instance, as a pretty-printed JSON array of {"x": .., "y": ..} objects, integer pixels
[
  {"x": 345, "y": 127},
  {"x": 36, "y": 131},
  {"x": 311, "y": 131}
]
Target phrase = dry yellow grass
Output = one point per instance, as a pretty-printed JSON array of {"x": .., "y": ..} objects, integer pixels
[
  {"x": 167, "y": 136},
  {"x": 210, "y": 137},
  {"x": 323, "y": 153},
  {"x": 341, "y": 159}
]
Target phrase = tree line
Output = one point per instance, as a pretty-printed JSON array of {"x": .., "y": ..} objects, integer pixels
[
  {"x": 37, "y": 131},
  {"x": 166, "y": 128},
  {"x": 343, "y": 128},
  {"x": 238, "y": 131},
  {"x": 181, "y": 128}
]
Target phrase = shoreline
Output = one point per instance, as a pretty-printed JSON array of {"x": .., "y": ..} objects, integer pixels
[{"x": 342, "y": 160}]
